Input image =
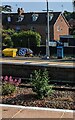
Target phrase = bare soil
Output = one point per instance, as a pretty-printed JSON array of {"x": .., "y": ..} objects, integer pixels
[{"x": 26, "y": 97}]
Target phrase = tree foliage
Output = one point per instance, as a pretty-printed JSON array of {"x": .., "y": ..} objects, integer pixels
[
  {"x": 11, "y": 38},
  {"x": 6, "y": 38},
  {"x": 26, "y": 39},
  {"x": 69, "y": 15},
  {"x": 5, "y": 8}
]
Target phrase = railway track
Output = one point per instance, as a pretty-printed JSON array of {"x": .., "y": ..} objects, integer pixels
[
  {"x": 63, "y": 88},
  {"x": 55, "y": 87}
]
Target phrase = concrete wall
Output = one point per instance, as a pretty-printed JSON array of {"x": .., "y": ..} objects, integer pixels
[{"x": 55, "y": 73}]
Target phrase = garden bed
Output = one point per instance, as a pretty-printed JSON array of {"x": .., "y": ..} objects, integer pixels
[{"x": 26, "y": 97}]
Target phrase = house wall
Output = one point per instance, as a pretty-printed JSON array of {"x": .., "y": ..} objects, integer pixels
[
  {"x": 60, "y": 28},
  {"x": 41, "y": 29},
  {"x": 39, "y": 26}
]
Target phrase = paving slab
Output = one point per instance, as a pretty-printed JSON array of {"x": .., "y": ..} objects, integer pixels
[
  {"x": 19, "y": 112},
  {"x": 0, "y": 113},
  {"x": 38, "y": 114},
  {"x": 9, "y": 112},
  {"x": 67, "y": 115}
]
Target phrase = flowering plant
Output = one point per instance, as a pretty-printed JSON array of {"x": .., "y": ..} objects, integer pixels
[{"x": 9, "y": 84}]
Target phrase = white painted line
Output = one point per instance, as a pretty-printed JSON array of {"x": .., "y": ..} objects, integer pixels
[
  {"x": 17, "y": 113},
  {"x": 38, "y": 108},
  {"x": 62, "y": 115}
]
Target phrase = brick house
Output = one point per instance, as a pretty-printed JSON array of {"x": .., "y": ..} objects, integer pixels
[
  {"x": 61, "y": 27},
  {"x": 37, "y": 21}
]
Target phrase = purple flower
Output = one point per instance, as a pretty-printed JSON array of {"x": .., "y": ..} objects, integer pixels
[
  {"x": 6, "y": 78},
  {"x": 15, "y": 80},
  {"x": 10, "y": 78}
]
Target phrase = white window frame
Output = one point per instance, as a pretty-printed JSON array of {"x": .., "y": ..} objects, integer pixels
[
  {"x": 58, "y": 28},
  {"x": 34, "y": 17},
  {"x": 9, "y": 19}
]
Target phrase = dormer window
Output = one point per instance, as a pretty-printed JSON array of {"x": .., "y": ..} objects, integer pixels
[
  {"x": 20, "y": 18},
  {"x": 9, "y": 19},
  {"x": 34, "y": 17},
  {"x": 50, "y": 17}
]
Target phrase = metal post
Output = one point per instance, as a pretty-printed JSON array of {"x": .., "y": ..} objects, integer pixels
[{"x": 47, "y": 42}]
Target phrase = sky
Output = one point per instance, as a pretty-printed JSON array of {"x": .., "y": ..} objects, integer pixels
[{"x": 32, "y": 5}]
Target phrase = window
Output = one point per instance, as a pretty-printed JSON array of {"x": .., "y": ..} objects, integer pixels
[
  {"x": 50, "y": 17},
  {"x": 58, "y": 28},
  {"x": 34, "y": 17},
  {"x": 20, "y": 18},
  {"x": 9, "y": 19}
]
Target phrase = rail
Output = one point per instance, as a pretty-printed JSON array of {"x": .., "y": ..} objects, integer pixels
[{"x": 57, "y": 85}]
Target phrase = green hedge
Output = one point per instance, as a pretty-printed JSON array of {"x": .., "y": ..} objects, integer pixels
[{"x": 26, "y": 39}]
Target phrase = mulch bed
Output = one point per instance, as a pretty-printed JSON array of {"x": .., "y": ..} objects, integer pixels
[{"x": 26, "y": 97}]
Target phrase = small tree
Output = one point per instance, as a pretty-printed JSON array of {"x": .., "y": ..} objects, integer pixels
[
  {"x": 40, "y": 83},
  {"x": 5, "y": 8}
]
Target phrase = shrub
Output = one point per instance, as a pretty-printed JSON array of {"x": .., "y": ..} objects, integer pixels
[
  {"x": 9, "y": 84},
  {"x": 8, "y": 88},
  {"x": 26, "y": 39},
  {"x": 39, "y": 81},
  {"x": 6, "y": 37},
  {"x": 8, "y": 42}
]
